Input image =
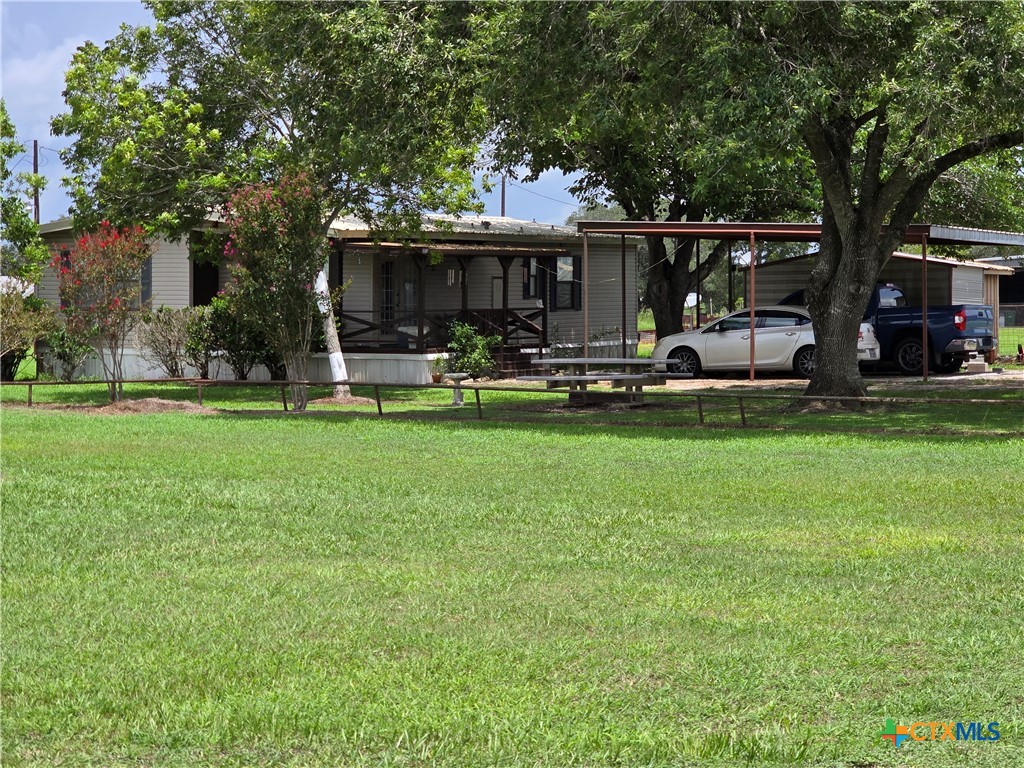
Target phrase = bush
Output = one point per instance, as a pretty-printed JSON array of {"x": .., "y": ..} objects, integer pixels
[
  {"x": 68, "y": 350},
  {"x": 23, "y": 320},
  {"x": 200, "y": 343},
  {"x": 239, "y": 338},
  {"x": 163, "y": 335},
  {"x": 470, "y": 350}
]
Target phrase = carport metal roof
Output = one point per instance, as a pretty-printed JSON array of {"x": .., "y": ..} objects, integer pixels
[{"x": 921, "y": 234}]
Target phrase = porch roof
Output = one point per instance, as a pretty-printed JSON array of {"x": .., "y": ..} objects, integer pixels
[{"x": 456, "y": 249}]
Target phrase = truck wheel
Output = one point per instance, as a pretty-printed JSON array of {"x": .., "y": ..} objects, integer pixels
[
  {"x": 908, "y": 356},
  {"x": 948, "y": 366}
]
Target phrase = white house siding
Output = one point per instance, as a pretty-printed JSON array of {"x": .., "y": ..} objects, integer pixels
[{"x": 172, "y": 275}]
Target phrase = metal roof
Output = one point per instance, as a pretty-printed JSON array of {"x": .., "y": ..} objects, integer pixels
[{"x": 792, "y": 232}]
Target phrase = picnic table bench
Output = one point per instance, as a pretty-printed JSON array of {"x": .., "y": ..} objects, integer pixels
[{"x": 579, "y": 372}]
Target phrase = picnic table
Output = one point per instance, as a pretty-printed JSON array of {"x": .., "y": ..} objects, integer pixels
[{"x": 632, "y": 374}]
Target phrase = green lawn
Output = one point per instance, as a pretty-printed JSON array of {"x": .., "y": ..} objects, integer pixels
[
  {"x": 1009, "y": 338},
  {"x": 339, "y": 590}
]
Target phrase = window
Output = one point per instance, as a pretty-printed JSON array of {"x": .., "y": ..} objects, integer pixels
[
  {"x": 776, "y": 318},
  {"x": 891, "y": 297},
  {"x": 531, "y": 283},
  {"x": 567, "y": 289}
]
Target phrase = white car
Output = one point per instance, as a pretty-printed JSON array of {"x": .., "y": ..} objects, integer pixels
[{"x": 783, "y": 341}]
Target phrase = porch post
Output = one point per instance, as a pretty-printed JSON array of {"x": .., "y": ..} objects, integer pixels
[
  {"x": 464, "y": 279},
  {"x": 586, "y": 295},
  {"x": 924, "y": 308},
  {"x": 506, "y": 265},
  {"x": 545, "y": 300},
  {"x": 623, "y": 242},
  {"x": 421, "y": 274},
  {"x": 753, "y": 264}
]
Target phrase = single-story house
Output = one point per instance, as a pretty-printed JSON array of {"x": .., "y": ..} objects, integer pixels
[{"x": 520, "y": 280}]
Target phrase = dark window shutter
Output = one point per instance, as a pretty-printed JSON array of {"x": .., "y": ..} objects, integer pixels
[
  {"x": 552, "y": 271},
  {"x": 577, "y": 282},
  {"x": 526, "y": 277},
  {"x": 146, "y": 293}
]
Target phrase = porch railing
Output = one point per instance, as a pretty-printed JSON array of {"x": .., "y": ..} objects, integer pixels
[{"x": 515, "y": 327}]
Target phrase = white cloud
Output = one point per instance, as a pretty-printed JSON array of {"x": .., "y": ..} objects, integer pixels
[{"x": 33, "y": 84}]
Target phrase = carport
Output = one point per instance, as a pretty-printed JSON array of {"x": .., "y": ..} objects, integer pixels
[{"x": 916, "y": 234}]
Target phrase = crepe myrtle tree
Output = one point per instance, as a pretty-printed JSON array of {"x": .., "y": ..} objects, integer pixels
[
  {"x": 100, "y": 285},
  {"x": 276, "y": 250}
]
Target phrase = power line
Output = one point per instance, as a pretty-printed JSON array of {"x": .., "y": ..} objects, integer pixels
[{"x": 538, "y": 194}]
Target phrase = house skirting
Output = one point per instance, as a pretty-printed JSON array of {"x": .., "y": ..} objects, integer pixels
[{"x": 363, "y": 367}]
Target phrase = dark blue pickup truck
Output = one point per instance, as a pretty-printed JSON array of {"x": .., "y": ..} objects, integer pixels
[{"x": 954, "y": 331}]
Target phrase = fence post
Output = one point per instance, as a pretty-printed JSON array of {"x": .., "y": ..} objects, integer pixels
[
  {"x": 29, "y": 395},
  {"x": 700, "y": 410},
  {"x": 200, "y": 390},
  {"x": 376, "y": 396},
  {"x": 284, "y": 399},
  {"x": 743, "y": 414},
  {"x": 479, "y": 410}
]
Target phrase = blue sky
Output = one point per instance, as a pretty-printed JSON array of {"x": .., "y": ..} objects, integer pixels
[{"x": 38, "y": 40}]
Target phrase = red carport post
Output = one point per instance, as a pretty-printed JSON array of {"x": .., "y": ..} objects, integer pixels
[
  {"x": 623, "y": 241},
  {"x": 753, "y": 263},
  {"x": 586, "y": 296},
  {"x": 924, "y": 307}
]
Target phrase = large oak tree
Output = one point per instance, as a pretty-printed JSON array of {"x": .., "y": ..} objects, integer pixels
[{"x": 889, "y": 99}]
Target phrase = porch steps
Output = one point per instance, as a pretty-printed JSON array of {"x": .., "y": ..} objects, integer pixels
[{"x": 516, "y": 362}]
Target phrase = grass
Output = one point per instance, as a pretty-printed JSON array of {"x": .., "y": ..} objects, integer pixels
[
  {"x": 247, "y": 589},
  {"x": 1009, "y": 338}
]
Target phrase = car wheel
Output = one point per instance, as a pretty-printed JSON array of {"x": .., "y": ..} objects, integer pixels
[
  {"x": 803, "y": 362},
  {"x": 908, "y": 356},
  {"x": 685, "y": 361}
]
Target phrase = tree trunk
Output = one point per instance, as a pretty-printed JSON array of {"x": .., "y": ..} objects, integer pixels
[
  {"x": 339, "y": 372},
  {"x": 667, "y": 286},
  {"x": 838, "y": 293},
  {"x": 669, "y": 283},
  {"x": 297, "y": 365}
]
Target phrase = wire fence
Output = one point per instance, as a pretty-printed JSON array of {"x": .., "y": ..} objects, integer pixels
[{"x": 701, "y": 402}]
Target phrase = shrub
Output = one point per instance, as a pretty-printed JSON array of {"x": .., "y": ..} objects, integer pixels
[
  {"x": 68, "y": 350},
  {"x": 163, "y": 335},
  {"x": 470, "y": 350},
  {"x": 23, "y": 320},
  {"x": 236, "y": 336},
  {"x": 200, "y": 343}
]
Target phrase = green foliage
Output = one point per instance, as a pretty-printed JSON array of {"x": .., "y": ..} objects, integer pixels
[
  {"x": 276, "y": 248},
  {"x": 200, "y": 342},
  {"x": 239, "y": 338},
  {"x": 67, "y": 350},
  {"x": 372, "y": 99},
  {"x": 470, "y": 351},
  {"x": 100, "y": 288},
  {"x": 634, "y": 111},
  {"x": 23, "y": 320},
  {"x": 23, "y": 252}
]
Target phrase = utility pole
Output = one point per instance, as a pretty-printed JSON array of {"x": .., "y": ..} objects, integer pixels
[
  {"x": 503, "y": 195},
  {"x": 35, "y": 172}
]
